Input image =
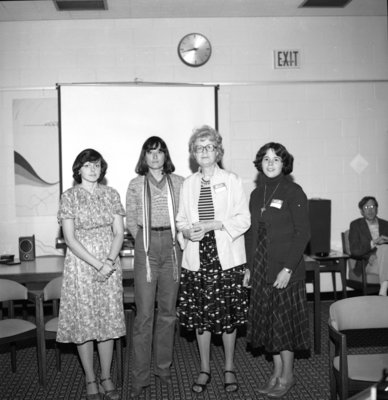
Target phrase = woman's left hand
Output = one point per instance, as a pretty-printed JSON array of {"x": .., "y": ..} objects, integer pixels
[
  {"x": 207, "y": 226},
  {"x": 247, "y": 278},
  {"x": 106, "y": 271},
  {"x": 282, "y": 279}
]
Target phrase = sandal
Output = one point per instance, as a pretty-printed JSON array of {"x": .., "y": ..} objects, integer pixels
[
  {"x": 201, "y": 387},
  {"x": 231, "y": 386},
  {"x": 93, "y": 396},
  {"x": 112, "y": 394}
]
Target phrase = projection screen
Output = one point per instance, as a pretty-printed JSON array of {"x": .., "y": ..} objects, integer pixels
[{"x": 116, "y": 119}]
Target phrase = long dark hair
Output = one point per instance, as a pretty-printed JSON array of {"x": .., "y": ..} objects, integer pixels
[
  {"x": 280, "y": 151},
  {"x": 153, "y": 143},
  {"x": 89, "y": 155}
]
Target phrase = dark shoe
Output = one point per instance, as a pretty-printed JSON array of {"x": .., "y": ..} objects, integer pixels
[
  {"x": 268, "y": 386},
  {"x": 94, "y": 396},
  {"x": 201, "y": 387},
  {"x": 281, "y": 389},
  {"x": 230, "y": 386},
  {"x": 112, "y": 394},
  {"x": 136, "y": 391}
]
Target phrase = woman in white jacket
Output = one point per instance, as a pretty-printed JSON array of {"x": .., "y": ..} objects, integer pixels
[{"x": 213, "y": 216}]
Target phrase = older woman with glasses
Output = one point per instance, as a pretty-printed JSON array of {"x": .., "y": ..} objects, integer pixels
[
  {"x": 212, "y": 219},
  {"x": 368, "y": 239}
]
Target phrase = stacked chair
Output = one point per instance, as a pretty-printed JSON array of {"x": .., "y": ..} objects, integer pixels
[{"x": 355, "y": 370}]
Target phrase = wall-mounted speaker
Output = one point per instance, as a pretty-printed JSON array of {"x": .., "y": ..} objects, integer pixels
[
  {"x": 320, "y": 227},
  {"x": 27, "y": 248}
]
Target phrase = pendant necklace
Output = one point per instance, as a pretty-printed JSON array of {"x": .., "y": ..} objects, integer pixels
[{"x": 265, "y": 204}]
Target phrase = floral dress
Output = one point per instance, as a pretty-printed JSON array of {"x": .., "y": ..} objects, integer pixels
[{"x": 89, "y": 309}]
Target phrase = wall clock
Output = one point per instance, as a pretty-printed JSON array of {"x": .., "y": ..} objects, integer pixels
[{"x": 194, "y": 49}]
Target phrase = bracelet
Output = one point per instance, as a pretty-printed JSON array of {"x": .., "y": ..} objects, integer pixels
[
  {"x": 99, "y": 269},
  {"x": 288, "y": 270},
  {"x": 109, "y": 259}
]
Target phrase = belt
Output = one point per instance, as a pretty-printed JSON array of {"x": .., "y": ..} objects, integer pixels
[
  {"x": 158, "y": 228},
  {"x": 161, "y": 228}
]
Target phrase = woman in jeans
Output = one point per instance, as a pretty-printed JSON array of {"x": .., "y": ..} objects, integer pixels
[{"x": 152, "y": 204}]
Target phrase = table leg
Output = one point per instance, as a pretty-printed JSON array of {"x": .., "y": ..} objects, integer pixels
[
  {"x": 317, "y": 311},
  {"x": 333, "y": 280},
  {"x": 342, "y": 268}
]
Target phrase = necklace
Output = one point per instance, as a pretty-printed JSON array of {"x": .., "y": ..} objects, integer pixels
[{"x": 265, "y": 203}]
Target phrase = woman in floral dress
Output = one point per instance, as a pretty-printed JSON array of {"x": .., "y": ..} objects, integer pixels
[{"x": 91, "y": 216}]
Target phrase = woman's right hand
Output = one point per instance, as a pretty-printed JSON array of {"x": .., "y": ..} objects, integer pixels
[
  {"x": 195, "y": 234},
  {"x": 106, "y": 271}
]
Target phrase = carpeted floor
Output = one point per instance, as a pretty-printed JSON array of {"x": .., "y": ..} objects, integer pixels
[{"x": 311, "y": 372}]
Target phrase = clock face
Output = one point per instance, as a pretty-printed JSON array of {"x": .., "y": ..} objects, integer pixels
[{"x": 194, "y": 49}]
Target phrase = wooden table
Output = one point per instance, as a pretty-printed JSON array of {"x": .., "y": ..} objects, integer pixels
[
  {"x": 35, "y": 275},
  {"x": 43, "y": 269},
  {"x": 312, "y": 274},
  {"x": 335, "y": 262}
]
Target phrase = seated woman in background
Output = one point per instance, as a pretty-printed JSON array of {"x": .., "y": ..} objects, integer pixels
[{"x": 368, "y": 239}]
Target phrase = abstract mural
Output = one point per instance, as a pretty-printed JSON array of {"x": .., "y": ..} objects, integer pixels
[{"x": 36, "y": 157}]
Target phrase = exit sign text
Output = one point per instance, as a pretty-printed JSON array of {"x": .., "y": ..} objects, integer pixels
[{"x": 286, "y": 59}]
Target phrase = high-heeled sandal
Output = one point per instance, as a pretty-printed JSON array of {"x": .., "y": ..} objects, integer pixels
[
  {"x": 230, "y": 386},
  {"x": 94, "y": 396},
  {"x": 109, "y": 394},
  {"x": 201, "y": 386}
]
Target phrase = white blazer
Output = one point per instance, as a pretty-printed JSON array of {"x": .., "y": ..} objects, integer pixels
[{"x": 230, "y": 207}]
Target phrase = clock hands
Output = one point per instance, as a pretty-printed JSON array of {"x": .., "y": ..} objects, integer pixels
[{"x": 192, "y": 49}]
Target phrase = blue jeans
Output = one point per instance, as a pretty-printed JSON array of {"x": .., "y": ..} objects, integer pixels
[{"x": 162, "y": 289}]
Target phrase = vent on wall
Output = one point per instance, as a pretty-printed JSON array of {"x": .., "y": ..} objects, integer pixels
[
  {"x": 80, "y": 5},
  {"x": 325, "y": 3}
]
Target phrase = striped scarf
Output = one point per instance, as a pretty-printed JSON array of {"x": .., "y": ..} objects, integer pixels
[{"x": 147, "y": 223}]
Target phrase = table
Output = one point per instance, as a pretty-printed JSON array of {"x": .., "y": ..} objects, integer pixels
[
  {"x": 312, "y": 273},
  {"x": 44, "y": 268},
  {"x": 35, "y": 275},
  {"x": 335, "y": 262}
]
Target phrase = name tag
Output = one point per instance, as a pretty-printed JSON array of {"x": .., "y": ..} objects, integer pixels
[
  {"x": 276, "y": 203},
  {"x": 220, "y": 187}
]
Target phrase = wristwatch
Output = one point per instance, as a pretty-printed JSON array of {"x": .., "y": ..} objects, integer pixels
[{"x": 288, "y": 270}]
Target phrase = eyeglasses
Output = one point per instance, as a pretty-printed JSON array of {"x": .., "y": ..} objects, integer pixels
[
  {"x": 369, "y": 207},
  {"x": 208, "y": 147}
]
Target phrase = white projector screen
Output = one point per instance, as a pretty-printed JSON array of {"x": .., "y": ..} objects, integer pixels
[{"x": 116, "y": 119}]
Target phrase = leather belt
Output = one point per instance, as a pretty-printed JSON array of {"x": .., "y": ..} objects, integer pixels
[
  {"x": 161, "y": 228},
  {"x": 158, "y": 228}
]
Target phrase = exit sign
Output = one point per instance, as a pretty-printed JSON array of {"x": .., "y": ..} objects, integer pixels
[{"x": 286, "y": 59}]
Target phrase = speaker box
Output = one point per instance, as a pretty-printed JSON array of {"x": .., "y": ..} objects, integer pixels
[
  {"x": 27, "y": 248},
  {"x": 320, "y": 226}
]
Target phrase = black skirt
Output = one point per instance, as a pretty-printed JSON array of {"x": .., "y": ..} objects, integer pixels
[
  {"x": 278, "y": 318},
  {"x": 211, "y": 299}
]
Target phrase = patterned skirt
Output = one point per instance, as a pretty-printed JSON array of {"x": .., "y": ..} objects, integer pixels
[
  {"x": 211, "y": 299},
  {"x": 278, "y": 318}
]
